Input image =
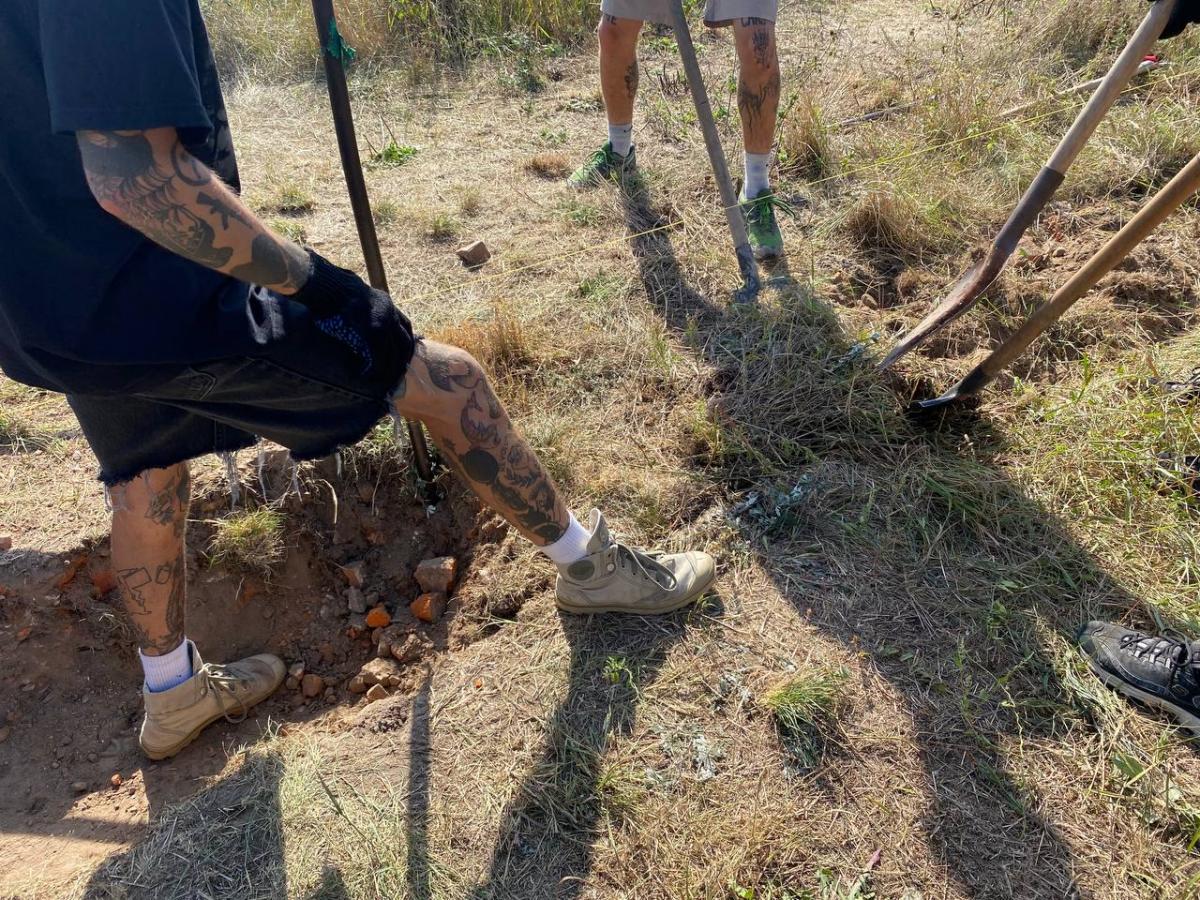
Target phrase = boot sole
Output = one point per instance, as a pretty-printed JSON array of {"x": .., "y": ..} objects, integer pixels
[
  {"x": 1128, "y": 690},
  {"x": 157, "y": 755},
  {"x": 695, "y": 595}
]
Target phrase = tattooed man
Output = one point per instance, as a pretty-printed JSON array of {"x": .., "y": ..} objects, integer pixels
[
  {"x": 136, "y": 282},
  {"x": 753, "y": 24}
]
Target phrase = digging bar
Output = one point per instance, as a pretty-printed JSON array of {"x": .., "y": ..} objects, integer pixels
[
  {"x": 716, "y": 156},
  {"x": 979, "y": 277},
  {"x": 1149, "y": 217},
  {"x": 330, "y": 42}
]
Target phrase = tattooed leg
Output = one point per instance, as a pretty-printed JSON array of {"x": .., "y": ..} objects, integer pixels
[
  {"x": 149, "y": 519},
  {"x": 447, "y": 390},
  {"x": 758, "y": 82},
  {"x": 619, "y": 67}
]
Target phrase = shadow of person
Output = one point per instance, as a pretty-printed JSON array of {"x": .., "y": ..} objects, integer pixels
[
  {"x": 544, "y": 847},
  {"x": 954, "y": 599},
  {"x": 227, "y": 841}
]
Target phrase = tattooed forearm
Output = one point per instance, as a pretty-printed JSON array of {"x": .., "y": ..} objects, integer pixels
[{"x": 150, "y": 181}]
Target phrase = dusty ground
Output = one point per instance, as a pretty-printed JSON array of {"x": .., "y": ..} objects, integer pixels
[{"x": 528, "y": 755}]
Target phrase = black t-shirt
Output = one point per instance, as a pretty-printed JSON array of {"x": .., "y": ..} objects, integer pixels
[{"x": 87, "y": 304}]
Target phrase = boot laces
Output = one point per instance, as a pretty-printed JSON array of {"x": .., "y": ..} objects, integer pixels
[
  {"x": 763, "y": 208},
  {"x": 646, "y": 564},
  {"x": 223, "y": 684},
  {"x": 1168, "y": 649}
]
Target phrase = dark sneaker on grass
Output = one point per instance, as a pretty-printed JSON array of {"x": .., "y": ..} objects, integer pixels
[
  {"x": 1185, "y": 391},
  {"x": 765, "y": 238},
  {"x": 603, "y": 165},
  {"x": 1158, "y": 671}
]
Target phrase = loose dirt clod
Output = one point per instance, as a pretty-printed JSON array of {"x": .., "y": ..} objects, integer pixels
[
  {"x": 79, "y": 787},
  {"x": 376, "y": 692},
  {"x": 437, "y": 575},
  {"x": 379, "y": 617},
  {"x": 429, "y": 607},
  {"x": 408, "y": 650},
  {"x": 356, "y": 601},
  {"x": 312, "y": 685},
  {"x": 6, "y": 542},
  {"x": 354, "y": 573},
  {"x": 474, "y": 254},
  {"x": 116, "y": 781}
]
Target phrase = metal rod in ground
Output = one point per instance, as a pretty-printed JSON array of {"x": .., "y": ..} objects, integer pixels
[
  {"x": 970, "y": 287},
  {"x": 716, "y": 156},
  {"x": 332, "y": 49},
  {"x": 1149, "y": 217}
]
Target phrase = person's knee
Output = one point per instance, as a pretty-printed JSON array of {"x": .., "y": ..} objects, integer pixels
[
  {"x": 618, "y": 35},
  {"x": 440, "y": 382},
  {"x": 757, "y": 52},
  {"x": 154, "y": 496}
]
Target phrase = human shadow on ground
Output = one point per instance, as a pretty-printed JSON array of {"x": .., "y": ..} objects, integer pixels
[{"x": 544, "y": 846}]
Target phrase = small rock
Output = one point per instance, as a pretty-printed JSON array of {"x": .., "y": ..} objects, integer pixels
[
  {"x": 379, "y": 617},
  {"x": 356, "y": 627},
  {"x": 5, "y": 542},
  {"x": 356, "y": 685},
  {"x": 312, "y": 685},
  {"x": 355, "y": 601},
  {"x": 292, "y": 683},
  {"x": 330, "y": 695},
  {"x": 376, "y": 692},
  {"x": 380, "y": 671},
  {"x": 326, "y": 651},
  {"x": 5, "y": 731},
  {"x": 429, "y": 607},
  {"x": 79, "y": 787},
  {"x": 116, "y": 780},
  {"x": 353, "y": 573},
  {"x": 408, "y": 650},
  {"x": 436, "y": 576},
  {"x": 383, "y": 648},
  {"x": 474, "y": 254},
  {"x": 296, "y": 670}
]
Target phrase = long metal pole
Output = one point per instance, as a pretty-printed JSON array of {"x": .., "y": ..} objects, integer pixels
[
  {"x": 329, "y": 40},
  {"x": 1149, "y": 217},
  {"x": 716, "y": 155}
]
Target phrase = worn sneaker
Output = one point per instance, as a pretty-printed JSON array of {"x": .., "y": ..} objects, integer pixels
[
  {"x": 765, "y": 238},
  {"x": 616, "y": 578},
  {"x": 175, "y": 718},
  {"x": 604, "y": 165},
  {"x": 1158, "y": 671}
]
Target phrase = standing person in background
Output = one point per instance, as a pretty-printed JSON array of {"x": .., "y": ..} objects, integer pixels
[{"x": 753, "y": 23}]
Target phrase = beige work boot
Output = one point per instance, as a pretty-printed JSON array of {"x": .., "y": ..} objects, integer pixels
[
  {"x": 175, "y": 718},
  {"x": 616, "y": 578}
]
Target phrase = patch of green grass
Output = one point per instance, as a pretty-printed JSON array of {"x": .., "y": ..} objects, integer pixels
[
  {"x": 801, "y": 706},
  {"x": 393, "y": 155},
  {"x": 294, "y": 199},
  {"x": 443, "y": 227},
  {"x": 385, "y": 212},
  {"x": 553, "y": 137},
  {"x": 249, "y": 541},
  {"x": 290, "y": 229},
  {"x": 601, "y": 288},
  {"x": 581, "y": 215}
]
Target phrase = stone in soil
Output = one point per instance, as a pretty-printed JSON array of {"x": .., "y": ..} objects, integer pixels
[
  {"x": 379, "y": 617},
  {"x": 354, "y": 574},
  {"x": 436, "y": 576},
  {"x": 474, "y": 254},
  {"x": 356, "y": 601},
  {"x": 429, "y": 607},
  {"x": 5, "y": 542},
  {"x": 312, "y": 686},
  {"x": 79, "y": 787},
  {"x": 380, "y": 671},
  {"x": 356, "y": 627},
  {"x": 409, "y": 650},
  {"x": 376, "y": 692}
]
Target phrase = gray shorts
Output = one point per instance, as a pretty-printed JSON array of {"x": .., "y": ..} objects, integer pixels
[{"x": 717, "y": 13}]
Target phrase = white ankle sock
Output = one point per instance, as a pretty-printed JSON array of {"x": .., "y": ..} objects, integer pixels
[
  {"x": 571, "y": 547},
  {"x": 621, "y": 138},
  {"x": 758, "y": 167},
  {"x": 168, "y": 670}
]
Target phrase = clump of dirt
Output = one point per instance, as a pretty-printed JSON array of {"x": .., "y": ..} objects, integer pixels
[{"x": 70, "y": 679}]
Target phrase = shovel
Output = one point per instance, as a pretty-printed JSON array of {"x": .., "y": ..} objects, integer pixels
[
  {"x": 979, "y": 277},
  {"x": 716, "y": 157},
  {"x": 1149, "y": 217},
  {"x": 333, "y": 53}
]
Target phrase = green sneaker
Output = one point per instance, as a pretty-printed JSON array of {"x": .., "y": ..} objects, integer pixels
[
  {"x": 765, "y": 238},
  {"x": 603, "y": 165}
]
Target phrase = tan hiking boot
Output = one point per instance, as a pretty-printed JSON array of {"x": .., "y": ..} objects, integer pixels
[
  {"x": 616, "y": 578},
  {"x": 175, "y": 718}
]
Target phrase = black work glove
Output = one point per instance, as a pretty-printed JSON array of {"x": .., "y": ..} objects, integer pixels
[
  {"x": 331, "y": 289},
  {"x": 1185, "y": 13}
]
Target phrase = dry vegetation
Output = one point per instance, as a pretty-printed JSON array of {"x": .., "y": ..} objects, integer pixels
[{"x": 886, "y": 663}]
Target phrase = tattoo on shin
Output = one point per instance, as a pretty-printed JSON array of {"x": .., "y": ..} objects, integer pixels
[
  {"x": 631, "y": 80},
  {"x": 168, "y": 506},
  {"x": 753, "y": 103},
  {"x": 764, "y": 51},
  {"x": 496, "y": 457},
  {"x": 145, "y": 592}
]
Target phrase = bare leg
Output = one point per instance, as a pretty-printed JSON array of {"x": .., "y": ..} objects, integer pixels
[
  {"x": 149, "y": 519},
  {"x": 758, "y": 82},
  {"x": 447, "y": 390},
  {"x": 619, "y": 67}
]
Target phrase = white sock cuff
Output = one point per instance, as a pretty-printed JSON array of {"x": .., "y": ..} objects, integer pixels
[
  {"x": 168, "y": 670},
  {"x": 571, "y": 547},
  {"x": 758, "y": 173},
  {"x": 621, "y": 138}
]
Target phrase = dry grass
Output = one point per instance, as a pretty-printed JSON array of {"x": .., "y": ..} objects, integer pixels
[
  {"x": 249, "y": 540},
  {"x": 943, "y": 572}
]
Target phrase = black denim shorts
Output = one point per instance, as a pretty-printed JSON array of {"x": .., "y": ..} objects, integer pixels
[{"x": 321, "y": 385}]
